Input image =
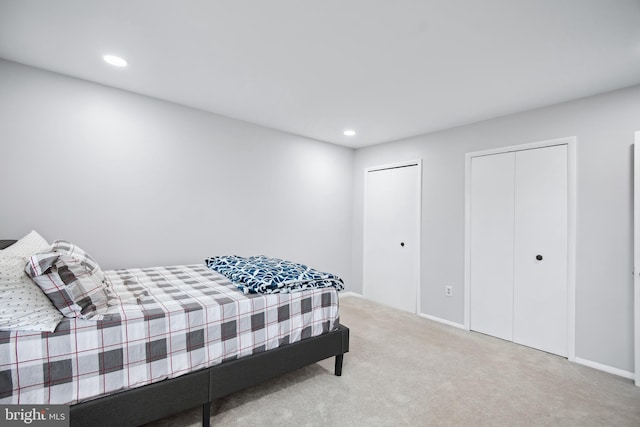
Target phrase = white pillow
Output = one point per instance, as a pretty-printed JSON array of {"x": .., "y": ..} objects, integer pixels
[
  {"x": 23, "y": 306},
  {"x": 15, "y": 257}
]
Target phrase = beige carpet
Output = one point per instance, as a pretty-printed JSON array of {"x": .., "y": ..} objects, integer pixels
[{"x": 404, "y": 370}]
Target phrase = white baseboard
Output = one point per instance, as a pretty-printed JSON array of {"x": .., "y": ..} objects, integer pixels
[
  {"x": 349, "y": 294},
  {"x": 605, "y": 368},
  {"x": 444, "y": 321}
]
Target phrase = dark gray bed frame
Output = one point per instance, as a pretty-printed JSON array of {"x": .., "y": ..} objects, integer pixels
[{"x": 200, "y": 388}]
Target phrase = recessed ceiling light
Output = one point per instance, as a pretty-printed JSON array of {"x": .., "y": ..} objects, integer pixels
[
  {"x": 349, "y": 132},
  {"x": 115, "y": 60}
]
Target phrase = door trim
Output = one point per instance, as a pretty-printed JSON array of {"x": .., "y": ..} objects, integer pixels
[
  {"x": 636, "y": 256},
  {"x": 418, "y": 163},
  {"x": 571, "y": 143}
]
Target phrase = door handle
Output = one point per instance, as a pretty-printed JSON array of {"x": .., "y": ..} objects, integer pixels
[{"x": 539, "y": 257}]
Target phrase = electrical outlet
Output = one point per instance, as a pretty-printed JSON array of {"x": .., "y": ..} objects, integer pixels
[{"x": 448, "y": 291}]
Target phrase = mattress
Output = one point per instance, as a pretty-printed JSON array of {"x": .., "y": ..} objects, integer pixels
[{"x": 162, "y": 322}]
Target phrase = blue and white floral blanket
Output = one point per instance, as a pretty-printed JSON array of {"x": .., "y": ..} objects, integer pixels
[{"x": 259, "y": 274}]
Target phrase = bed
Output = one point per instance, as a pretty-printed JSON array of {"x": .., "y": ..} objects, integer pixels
[{"x": 177, "y": 337}]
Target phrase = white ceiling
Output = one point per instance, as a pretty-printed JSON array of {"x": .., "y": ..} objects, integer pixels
[{"x": 387, "y": 69}]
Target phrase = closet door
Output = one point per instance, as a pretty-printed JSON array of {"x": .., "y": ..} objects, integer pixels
[
  {"x": 491, "y": 240},
  {"x": 391, "y": 257},
  {"x": 518, "y": 237},
  {"x": 540, "y": 249}
]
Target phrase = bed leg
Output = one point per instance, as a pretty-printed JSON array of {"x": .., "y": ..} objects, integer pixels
[
  {"x": 206, "y": 414},
  {"x": 338, "y": 370}
]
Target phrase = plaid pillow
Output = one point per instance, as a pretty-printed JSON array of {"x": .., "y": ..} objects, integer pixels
[{"x": 71, "y": 279}]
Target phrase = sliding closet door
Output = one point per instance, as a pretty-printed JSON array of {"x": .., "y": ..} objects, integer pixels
[
  {"x": 540, "y": 249},
  {"x": 491, "y": 240}
]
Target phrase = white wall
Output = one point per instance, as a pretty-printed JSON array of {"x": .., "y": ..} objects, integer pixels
[
  {"x": 604, "y": 126},
  {"x": 139, "y": 182}
]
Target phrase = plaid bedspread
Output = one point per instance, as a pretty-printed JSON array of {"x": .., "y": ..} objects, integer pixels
[{"x": 162, "y": 322}]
